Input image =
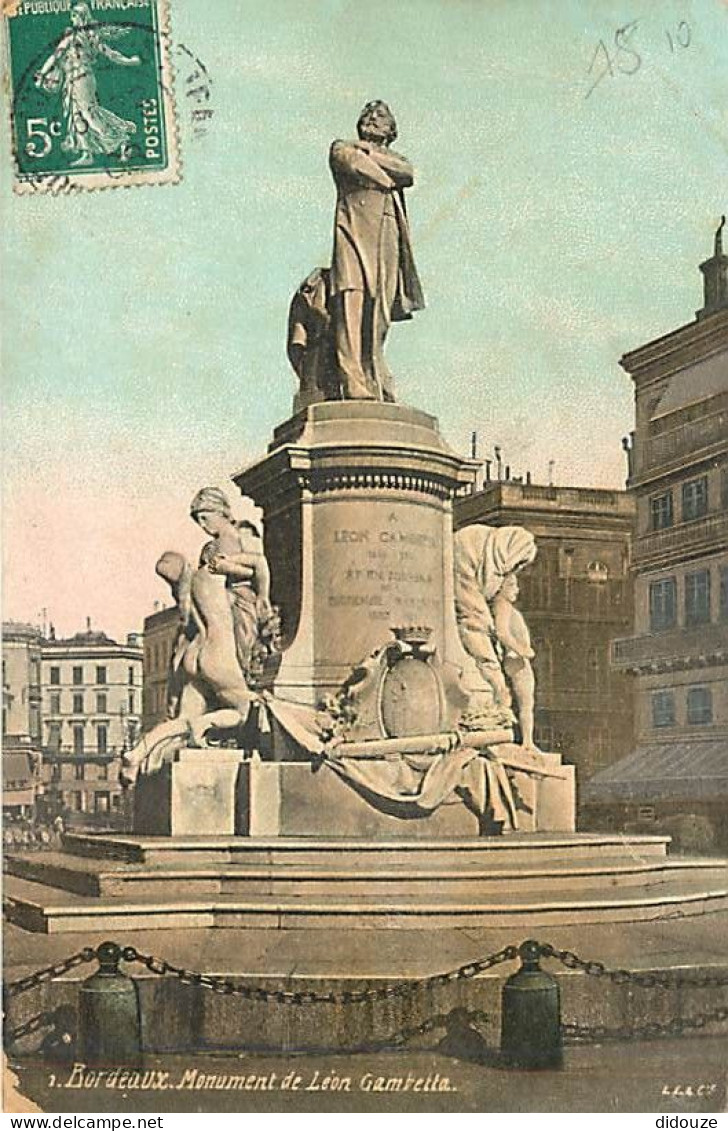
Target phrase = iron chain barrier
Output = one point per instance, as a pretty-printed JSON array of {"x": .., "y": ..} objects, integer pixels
[
  {"x": 110, "y": 954},
  {"x": 572, "y": 961},
  {"x": 649, "y": 1031},
  {"x": 50, "y": 973},
  {"x": 312, "y": 997}
]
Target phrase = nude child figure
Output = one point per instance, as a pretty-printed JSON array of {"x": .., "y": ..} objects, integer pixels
[{"x": 515, "y": 639}]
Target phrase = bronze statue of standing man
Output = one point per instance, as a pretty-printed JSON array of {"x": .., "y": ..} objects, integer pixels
[{"x": 373, "y": 278}]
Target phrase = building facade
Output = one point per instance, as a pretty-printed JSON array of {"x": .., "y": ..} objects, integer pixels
[
  {"x": 91, "y": 712},
  {"x": 21, "y": 722},
  {"x": 576, "y": 598},
  {"x": 161, "y": 630},
  {"x": 676, "y": 776}
]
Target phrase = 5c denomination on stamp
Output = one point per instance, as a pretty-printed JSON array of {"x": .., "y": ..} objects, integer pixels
[{"x": 91, "y": 89}]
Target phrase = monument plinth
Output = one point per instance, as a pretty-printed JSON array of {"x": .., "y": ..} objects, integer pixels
[
  {"x": 190, "y": 796},
  {"x": 357, "y": 498}
]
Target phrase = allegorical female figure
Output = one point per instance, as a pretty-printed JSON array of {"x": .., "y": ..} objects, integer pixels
[
  {"x": 91, "y": 129},
  {"x": 236, "y": 551}
]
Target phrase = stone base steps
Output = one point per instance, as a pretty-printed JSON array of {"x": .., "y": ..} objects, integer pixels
[
  {"x": 519, "y": 850},
  {"x": 117, "y": 883},
  {"x": 415, "y": 879},
  {"x": 36, "y": 907}
]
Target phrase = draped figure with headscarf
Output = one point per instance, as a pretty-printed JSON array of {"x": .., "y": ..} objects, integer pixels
[{"x": 484, "y": 556}]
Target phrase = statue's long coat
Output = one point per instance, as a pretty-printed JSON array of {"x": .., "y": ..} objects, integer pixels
[{"x": 359, "y": 228}]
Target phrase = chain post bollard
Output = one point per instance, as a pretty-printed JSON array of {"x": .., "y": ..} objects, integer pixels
[
  {"x": 531, "y": 1014},
  {"x": 109, "y": 1018}
]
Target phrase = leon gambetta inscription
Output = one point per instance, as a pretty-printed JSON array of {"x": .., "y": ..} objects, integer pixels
[{"x": 389, "y": 569}]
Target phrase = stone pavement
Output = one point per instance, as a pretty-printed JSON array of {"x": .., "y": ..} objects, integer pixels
[{"x": 670, "y": 940}]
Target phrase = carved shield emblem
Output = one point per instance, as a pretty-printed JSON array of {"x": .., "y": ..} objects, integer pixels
[{"x": 410, "y": 699}]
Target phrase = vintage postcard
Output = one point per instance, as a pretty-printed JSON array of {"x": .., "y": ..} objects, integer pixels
[{"x": 365, "y": 571}]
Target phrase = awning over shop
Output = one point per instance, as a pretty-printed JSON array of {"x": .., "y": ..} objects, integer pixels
[
  {"x": 18, "y": 780},
  {"x": 691, "y": 770},
  {"x": 16, "y": 767},
  {"x": 15, "y": 798}
]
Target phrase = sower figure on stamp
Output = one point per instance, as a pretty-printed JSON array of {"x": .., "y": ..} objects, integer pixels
[
  {"x": 91, "y": 128},
  {"x": 373, "y": 277}
]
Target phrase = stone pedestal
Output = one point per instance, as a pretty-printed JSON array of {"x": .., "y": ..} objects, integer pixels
[
  {"x": 548, "y": 804},
  {"x": 226, "y": 793},
  {"x": 294, "y": 799},
  {"x": 297, "y": 799},
  {"x": 556, "y": 810},
  {"x": 194, "y": 795},
  {"x": 357, "y": 499}
]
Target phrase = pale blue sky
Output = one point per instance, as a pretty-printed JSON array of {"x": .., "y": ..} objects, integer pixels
[{"x": 143, "y": 329}]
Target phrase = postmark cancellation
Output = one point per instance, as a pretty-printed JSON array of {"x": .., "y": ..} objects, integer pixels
[{"x": 91, "y": 94}]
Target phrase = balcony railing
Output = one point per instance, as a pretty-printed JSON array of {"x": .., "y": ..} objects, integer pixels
[
  {"x": 677, "y": 644},
  {"x": 68, "y": 754},
  {"x": 580, "y": 498},
  {"x": 689, "y": 437},
  {"x": 700, "y": 532}
]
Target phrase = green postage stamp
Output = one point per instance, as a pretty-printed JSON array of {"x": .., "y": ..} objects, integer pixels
[{"x": 92, "y": 103}]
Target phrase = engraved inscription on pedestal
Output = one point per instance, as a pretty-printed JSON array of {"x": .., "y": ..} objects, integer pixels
[
  {"x": 381, "y": 560},
  {"x": 357, "y": 502}
]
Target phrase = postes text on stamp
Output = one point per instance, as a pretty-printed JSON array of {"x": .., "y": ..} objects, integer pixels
[{"x": 91, "y": 88}]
